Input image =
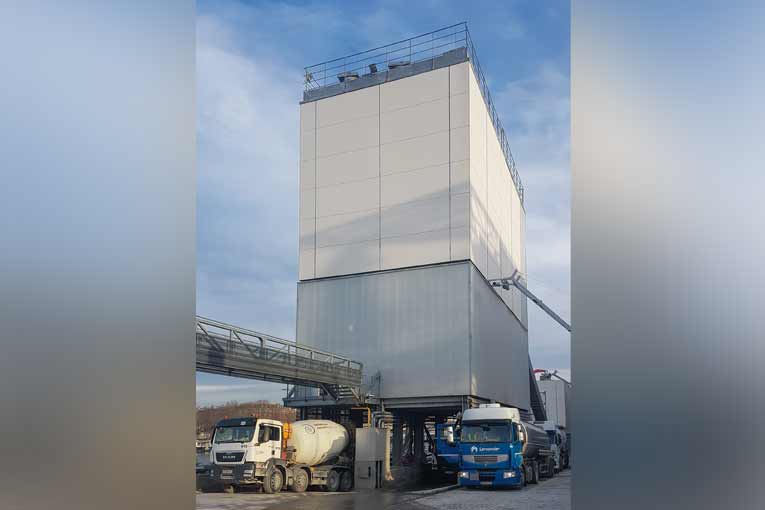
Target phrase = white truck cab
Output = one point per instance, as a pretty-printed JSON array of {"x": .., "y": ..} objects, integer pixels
[{"x": 245, "y": 450}]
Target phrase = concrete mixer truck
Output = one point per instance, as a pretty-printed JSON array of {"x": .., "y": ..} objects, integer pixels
[
  {"x": 498, "y": 449},
  {"x": 275, "y": 455}
]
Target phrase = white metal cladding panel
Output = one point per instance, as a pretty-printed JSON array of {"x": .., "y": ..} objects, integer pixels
[
  {"x": 348, "y": 166},
  {"x": 458, "y": 78},
  {"x": 307, "y": 200},
  {"x": 414, "y": 121},
  {"x": 460, "y": 243},
  {"x": 415, "y": 153},
  {"x": 348, "y": 228},
  {"x": 416, "y": 217},
  {"x": 348, "y": 197},
  {"x": 349, "y": 106},
  {"x": 414, "y": 185},
  {"x": 459, "y": 110},
  {"x": 415, "y": 249},
  {"x": 460, "y": 176},
  {"x": 420, "y": 88},
  {"x": 347, "y": 136},
  {"x": 499, "y": 348},
  {"x": 411, "y": 325},
  {"x": 348, "y": 258},
  {"x": 460, "y": 210}
]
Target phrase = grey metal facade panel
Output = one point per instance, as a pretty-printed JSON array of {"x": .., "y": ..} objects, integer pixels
[
  {"x": 410, "y": 324},
  {"x": 499, "y": 348},
  {"x": 556, "y": 396},
  {"x": 431, "y": 331}
]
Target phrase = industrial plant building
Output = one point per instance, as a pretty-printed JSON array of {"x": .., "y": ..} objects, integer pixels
[{"x": 409, "y": 202}]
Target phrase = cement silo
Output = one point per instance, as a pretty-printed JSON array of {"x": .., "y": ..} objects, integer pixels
[{"x": 409, "y": 202}]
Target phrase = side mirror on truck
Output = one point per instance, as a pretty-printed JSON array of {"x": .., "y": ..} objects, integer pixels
[{"x": 449, "y": 435}]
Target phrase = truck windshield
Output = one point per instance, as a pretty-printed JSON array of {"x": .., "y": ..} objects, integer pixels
[
  {"x": 486, "y": 433},
  {"x": 234, "y": 434}
]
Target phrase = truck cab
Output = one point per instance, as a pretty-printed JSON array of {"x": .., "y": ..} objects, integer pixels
[
  {"x": 246, "y": 450},
  {"x": 447, "y": 451},
  {"x": 491, "y": 447}
]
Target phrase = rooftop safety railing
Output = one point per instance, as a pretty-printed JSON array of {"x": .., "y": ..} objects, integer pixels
[{"x": 410, "y": 51}]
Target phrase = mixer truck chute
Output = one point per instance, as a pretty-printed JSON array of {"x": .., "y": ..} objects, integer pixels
[{"x": 252, "y": 451}]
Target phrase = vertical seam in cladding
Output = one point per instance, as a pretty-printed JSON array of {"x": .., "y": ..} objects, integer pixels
[
  {"x": 449, "y": 99},
  {"x": 379, "y": 177},
  {"x": 486, "y": 174},
  {"x": 315, "y": 186},
  {"x": 470, "y": 327}
]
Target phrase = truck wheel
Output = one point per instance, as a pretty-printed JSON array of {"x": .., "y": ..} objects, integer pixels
[
  {"x": 299, "y": 481},
  {"x": 273, "y": 480},
  {"x": 522, "y": 483},
  {"x": 346, "y": 481},
  {"x": 333, "y": 481},
  {"x": 534, "y": 478}
]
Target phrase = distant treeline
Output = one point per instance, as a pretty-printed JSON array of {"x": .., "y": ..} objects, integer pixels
[{"x": 208, "y": 416}]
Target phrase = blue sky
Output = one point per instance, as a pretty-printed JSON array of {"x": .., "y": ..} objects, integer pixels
[{"x": 250, "y": 59}]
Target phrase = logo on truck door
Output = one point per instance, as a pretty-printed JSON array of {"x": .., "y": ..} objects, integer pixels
[{"x": 309, "y": 429}]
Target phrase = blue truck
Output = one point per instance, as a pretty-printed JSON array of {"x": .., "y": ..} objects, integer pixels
[
  {"x": 446, "y": 454},
  {"x": 498, "y": 449}
]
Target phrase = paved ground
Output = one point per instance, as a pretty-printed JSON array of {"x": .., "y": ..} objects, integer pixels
[{"x": 552, "y": 494}]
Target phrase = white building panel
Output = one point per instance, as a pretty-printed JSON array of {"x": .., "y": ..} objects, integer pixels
[
  {"x": 459, "y": 143},
  {"x": 348, "y": 228},
  {"x": 406, "y": 173},
  {"x": 459, "y": 110},
  {"x": 460, "y": 210},
  {"x": 416, "y": 217},
  {"x": 307, "y": 203},
  {"x": 349, "y": 106},
  {"x": 415, "y": 249},
  {"x": 458, "y": 78},
  {"x": 460, "y": 241},
  {"x": 306, "y": 264},
  {"x": 347, "y": 198},
  {"x": 308, "y": 174},
  {"x": 308, "y": 116},
  {"x": 414, "y": 153},
  {"x": 421, "y": 88},
  {"x": 460, "y": 176},
  {"x": 348, "y": 166},
  {"x": 415, "y": 121},
  {"x": 348, "y": 259},
  {"x": 348, "y": 136},
  {"x": 414, "y": 185}
]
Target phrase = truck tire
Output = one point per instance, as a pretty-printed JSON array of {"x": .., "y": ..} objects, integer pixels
[
  {"x": 273, "y": 481},
  {"x": 333, "y": 481},
  {"x": 346, "y": 481},
  {"x": 300, "y": 481},
  {"x": 522, "y": 484}
]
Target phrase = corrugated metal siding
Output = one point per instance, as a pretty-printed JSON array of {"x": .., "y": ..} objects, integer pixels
[
  {"x": 499, "y": 347},
  {"x": 411, "y": 325},
  {"x": 556, "y": 397},
  {"x": 414, "y": 326}
]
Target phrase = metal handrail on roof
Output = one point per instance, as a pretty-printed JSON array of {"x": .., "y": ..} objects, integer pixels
[{"x": 410, "y": 51}]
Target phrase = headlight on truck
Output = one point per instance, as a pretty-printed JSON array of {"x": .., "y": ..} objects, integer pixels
[
  {"x": 464, "y": 474},
  {"x": 508, "y": 474}
]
